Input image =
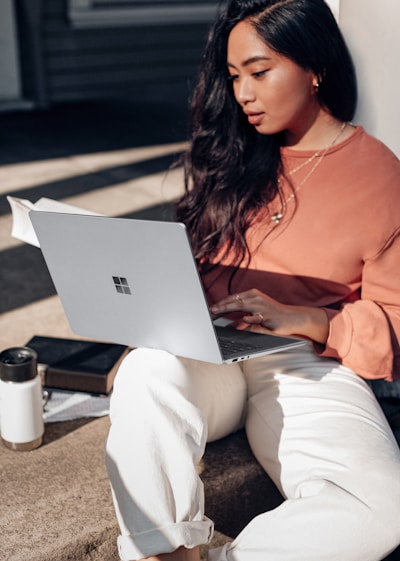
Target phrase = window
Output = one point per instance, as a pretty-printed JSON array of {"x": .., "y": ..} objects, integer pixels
[{"x": 109, "y": 13}]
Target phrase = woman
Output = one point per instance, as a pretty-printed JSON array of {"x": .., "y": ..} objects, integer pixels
[{"x": 294, "y": 216}]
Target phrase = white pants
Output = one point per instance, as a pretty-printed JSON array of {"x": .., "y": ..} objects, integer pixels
[{"x": 313, "y": 425}]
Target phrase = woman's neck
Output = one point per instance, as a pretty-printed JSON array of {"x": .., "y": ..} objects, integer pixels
[{"x": 319, "y": 134}]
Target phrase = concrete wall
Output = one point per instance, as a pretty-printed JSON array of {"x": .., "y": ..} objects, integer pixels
[
  {"x": 334, "y": 6},
  {"x": 371, "y": 30}
]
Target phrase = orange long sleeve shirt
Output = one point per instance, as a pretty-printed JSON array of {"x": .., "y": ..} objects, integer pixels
[{"x": 337, "y": 248}]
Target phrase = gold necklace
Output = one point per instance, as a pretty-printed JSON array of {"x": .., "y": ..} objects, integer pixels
[{"x": 278, "y": 215}]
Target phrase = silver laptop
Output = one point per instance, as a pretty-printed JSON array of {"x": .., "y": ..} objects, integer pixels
[{"x": 135, "y": 282}]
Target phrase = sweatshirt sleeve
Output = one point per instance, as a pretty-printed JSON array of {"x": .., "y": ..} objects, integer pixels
[{"x": 364, "y": 335}]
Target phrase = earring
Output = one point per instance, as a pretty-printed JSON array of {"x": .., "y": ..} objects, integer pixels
[{"x": 316, "y": 86}]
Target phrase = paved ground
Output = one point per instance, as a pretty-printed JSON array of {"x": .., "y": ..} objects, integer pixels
[{"x": 108, "y": 157}]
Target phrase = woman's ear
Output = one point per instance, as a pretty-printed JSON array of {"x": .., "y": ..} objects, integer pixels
[{"x": 316, "y": 82}]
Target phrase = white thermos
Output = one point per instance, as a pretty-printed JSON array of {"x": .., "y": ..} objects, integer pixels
[{"x": 21, "y": 404}]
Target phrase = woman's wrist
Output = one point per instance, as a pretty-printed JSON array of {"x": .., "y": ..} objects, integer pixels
[{"x": 313, "y": 324}]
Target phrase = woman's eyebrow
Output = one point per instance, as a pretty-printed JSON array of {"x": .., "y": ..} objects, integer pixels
[{"x": 256, "y": 58}]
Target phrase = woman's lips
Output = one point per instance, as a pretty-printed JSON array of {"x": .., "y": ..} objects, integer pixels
[{"x": 255, "y": 118}]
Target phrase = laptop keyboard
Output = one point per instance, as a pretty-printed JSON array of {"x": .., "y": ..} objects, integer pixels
[{"x": 229, "y": 346}]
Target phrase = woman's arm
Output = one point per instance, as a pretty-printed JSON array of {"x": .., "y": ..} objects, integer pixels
[{"x": 365, "y": 334}]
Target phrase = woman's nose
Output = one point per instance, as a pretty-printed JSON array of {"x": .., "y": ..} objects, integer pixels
[{"x": 244, "y": 91}]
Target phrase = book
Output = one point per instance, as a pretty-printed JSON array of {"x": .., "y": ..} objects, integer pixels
[
  {"x": 77, "y": 365},
  {"x": 22, "y": 228}
]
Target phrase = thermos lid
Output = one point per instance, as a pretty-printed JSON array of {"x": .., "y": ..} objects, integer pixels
[{"x": 18, "y": 364}]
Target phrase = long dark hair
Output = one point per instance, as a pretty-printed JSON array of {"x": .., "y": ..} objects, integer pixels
[{"x": 231, "y": 171}]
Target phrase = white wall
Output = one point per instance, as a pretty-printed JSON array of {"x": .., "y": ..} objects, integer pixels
[
  {"x": 371, "y": 29},
  {"x": 334, "y": 6}
]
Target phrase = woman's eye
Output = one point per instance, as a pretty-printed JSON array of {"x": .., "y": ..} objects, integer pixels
[
  {"x": 260, "y": 74},
  {"x": 232, "y": 77}
]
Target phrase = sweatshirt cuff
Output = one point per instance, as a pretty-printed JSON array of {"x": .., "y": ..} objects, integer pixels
[{"x": 369, "y": 356}]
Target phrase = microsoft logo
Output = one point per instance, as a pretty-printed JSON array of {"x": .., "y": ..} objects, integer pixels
[{"x": 121, "y": 285}]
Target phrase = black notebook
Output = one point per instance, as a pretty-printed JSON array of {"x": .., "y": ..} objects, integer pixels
[{"x": 77, "y": 365}]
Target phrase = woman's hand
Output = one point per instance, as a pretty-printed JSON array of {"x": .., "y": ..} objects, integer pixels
[{"x": 265, "y": 315}]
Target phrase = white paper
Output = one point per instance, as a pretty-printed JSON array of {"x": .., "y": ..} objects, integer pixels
[
  {"x": 65, "y": 406},
  {"x": 22, "y": 228}
]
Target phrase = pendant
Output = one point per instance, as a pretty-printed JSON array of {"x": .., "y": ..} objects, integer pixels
[{"x": 277, "y": 217}]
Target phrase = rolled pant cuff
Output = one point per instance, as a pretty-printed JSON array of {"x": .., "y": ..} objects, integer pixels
[{"x": 165, "y": 540}]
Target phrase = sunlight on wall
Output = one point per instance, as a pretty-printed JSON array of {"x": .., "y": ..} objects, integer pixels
[
  {"x": 371, "y": 32},
  {"x": 334, "y": 6}
]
